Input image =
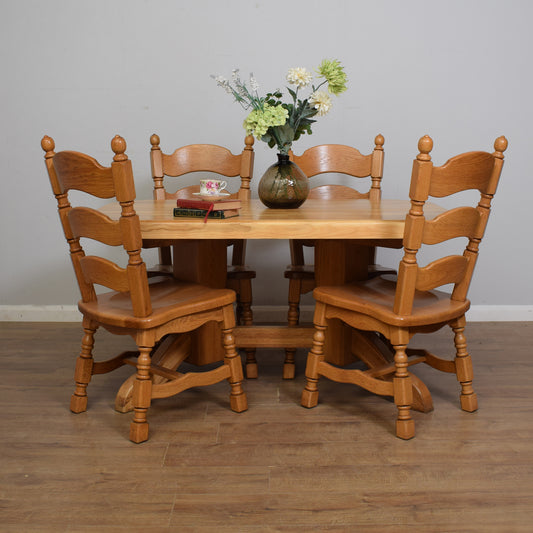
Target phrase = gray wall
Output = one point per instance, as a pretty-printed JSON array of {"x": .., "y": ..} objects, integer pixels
[{"x": 82, "y": 72}]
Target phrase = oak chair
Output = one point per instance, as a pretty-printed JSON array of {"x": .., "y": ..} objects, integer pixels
[
  {"x": 219, "y": 160},
  {"x": 147, "y": 310},
  {"x": 398, "y": 308},
  {"x": 339, "y": 159}
]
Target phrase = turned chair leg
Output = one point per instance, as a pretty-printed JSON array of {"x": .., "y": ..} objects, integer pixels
[
  {"x": 84, "y": 369},
  {"x": 403, "y": 394},
  {"x": 316, "y": 355},
  {"x": 142, "y": 395},
  {"x": 251, "y": 364},
  {"x": 238, "y": 400},
  {"x": 463, "y": 367},
  {"x": 238, "y": 310},
  {"x": 247, "y": 319},
  {"x": 293, "y": 319}
]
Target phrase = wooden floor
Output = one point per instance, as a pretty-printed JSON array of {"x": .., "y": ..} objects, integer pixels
[{"x": 277, "y": 467}]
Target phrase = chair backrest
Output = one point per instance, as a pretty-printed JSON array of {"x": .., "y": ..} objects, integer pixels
[
  {"x": 200, "y": 158},
  {"x": 342, "y": 159},
  {"x": 468, "y": 171},
  {"x": 68, "y": 171}
]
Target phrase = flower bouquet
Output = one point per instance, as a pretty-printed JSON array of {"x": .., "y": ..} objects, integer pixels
[{"x": 281, "y": 123}]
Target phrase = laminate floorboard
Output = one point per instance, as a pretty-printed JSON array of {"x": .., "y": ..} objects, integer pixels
[{"x": 275, "y": 468}]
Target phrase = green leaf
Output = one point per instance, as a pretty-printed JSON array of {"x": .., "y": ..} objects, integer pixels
[{"x": 292, "y": 93}]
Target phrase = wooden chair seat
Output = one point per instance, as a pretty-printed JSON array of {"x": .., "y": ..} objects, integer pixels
[
  {"x": 170, "y": 299},
  {"x": 376, "y": 269},
  {"x": 159, "y": 270},
  {"x": 300, "y": 272},
  {"x": 237, "y": 272},
  {"x": 396, "y": 308},
  {"x": 375, "y": 298},
  {"x": 240, "y": 272}
]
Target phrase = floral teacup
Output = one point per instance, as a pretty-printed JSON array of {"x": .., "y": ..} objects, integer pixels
[{"x": 212, "y": 187}]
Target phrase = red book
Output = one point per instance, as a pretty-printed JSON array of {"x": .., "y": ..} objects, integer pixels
[{"x": 208, "y": 204}]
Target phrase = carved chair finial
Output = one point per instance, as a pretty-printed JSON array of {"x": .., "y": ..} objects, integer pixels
[
  {"x": 500, "y": 145},
  {"x": 118, "y": 145},
  {"x": 48, "y": 145},
  {"x": 154, "y": 141},
  {"x": 425, "y": 145},
  {"x": 249, "y": 142}
]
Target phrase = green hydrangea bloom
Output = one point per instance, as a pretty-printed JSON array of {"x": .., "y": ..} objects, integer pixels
[
  {"x": 259, "y": 120},
  {"x": 333, "y": 71}
]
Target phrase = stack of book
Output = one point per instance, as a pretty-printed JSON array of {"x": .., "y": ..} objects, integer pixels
[{"x": 208, "y": 208}]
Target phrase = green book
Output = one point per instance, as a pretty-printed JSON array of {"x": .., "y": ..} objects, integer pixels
[{"x": 202, "y": 213}]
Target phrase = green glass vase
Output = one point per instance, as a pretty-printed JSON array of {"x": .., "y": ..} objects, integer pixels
[{"x": 283, "y": 185}]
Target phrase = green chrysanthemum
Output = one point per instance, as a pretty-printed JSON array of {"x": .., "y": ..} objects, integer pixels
[{"x": 333, "y": 71}]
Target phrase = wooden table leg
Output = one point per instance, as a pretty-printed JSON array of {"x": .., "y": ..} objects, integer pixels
[
  {"x": 197, "y": 261},
  {"x": 172, "y": 351},
  {"x": 375, "y": 353},
  {"x": 203, "y": 262},
  {"x": 337, "y": 262}
]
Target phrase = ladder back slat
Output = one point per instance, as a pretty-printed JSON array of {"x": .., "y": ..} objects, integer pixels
[
  {"x": 76, "y": 171},
  {"x": 334, "y": 158},
  {"x": 104, "y": 272},
  {"x": 450, "y": 269},
  {"x": 89, "y": 223},
  {"x": 472, "y": 170},
  {"x": 458, "y": 222},
  {"x": 201, "y": 158}
]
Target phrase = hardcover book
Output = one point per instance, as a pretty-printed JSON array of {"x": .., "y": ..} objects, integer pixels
[
  {"x": 204, "y": 213},
  {"x": 209, "y": 204}
]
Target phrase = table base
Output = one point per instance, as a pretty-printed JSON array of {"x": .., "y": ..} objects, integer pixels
[
  {"x": 365, "y": 346},
  {"x": 337, "y": 261}
]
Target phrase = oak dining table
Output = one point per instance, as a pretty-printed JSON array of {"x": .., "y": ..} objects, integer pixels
[{"x": 342, "y": 231}]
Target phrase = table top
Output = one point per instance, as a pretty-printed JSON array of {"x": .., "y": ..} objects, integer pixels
[{"x": 315, "y": 219}]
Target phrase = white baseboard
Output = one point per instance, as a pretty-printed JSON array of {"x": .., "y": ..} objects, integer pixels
[
  {"x": 39, "y": 313},
  {"x": 262, "y": 313},
  {"x": 500, "y": 313}
]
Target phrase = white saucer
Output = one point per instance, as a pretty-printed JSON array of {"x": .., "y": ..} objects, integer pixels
[{"x": 212, "y": 196}]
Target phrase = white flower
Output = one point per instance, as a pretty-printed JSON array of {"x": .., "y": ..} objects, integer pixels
[
  {"x": 240, "y": 87},
  {"x": 300, "y": 77},
  {"x": 253, "y": 83},
  {"x": 321, "y": 101},
  {"x": 222, "y": 82}
]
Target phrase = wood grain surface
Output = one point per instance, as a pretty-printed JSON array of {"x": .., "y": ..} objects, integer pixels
[
  {"x": 276, "y": 468},
  {"x": 315, "y": 219}
]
